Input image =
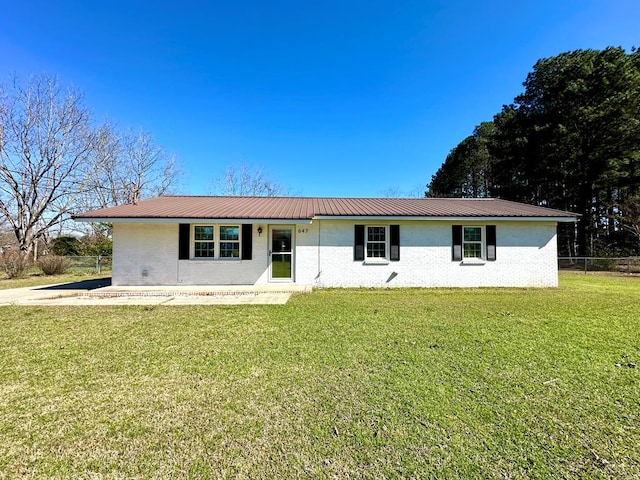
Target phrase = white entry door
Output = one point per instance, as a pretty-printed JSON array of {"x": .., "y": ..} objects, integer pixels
[{"x": 281, "y": 253}]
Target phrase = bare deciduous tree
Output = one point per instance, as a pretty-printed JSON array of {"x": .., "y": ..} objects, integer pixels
[
  {"x": 45, "y": 141},
  {"x": 126, "y": 168},
  {"x": 7, "y": 238},
  {"x": 152, "y": 170},
  {"x": 53, "y": 162},
  {"x": 631, "y": 218},
  {"x": 396, "y": 192},
  {"x": 243, "y": 180}
]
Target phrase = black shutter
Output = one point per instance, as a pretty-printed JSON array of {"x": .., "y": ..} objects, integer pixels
[
  {"x": 358, "y": 247},
  {"x": 395, "y": 243},
  {"x": 247, "y": 240},
  {"x": 456, "y": 250},
  {"x": 491, "y": 242},
  {"x": 184, "y": 230}
]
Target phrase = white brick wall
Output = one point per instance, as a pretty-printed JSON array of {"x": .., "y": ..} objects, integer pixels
[
  {"x": 526, "y": 256},
  {"x": 147, "y": 254}
]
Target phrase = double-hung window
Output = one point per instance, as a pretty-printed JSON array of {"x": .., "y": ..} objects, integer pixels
[
  {"x": 204, "y": 244},
  {"x": 229, "y": 242},
  {"x": 377, "y": 243},
  {"x": 474, "y": 242},
  {"x": 215, "y": 241}
]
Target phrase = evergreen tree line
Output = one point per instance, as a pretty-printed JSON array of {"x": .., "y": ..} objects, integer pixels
[{"x": 571, "y": 141}]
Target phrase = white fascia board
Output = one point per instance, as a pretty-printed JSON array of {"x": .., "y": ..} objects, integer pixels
[
  {"x": 392, "y": 218},
  {"x": 270, "y": 221}
]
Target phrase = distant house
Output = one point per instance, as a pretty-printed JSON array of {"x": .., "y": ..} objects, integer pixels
[{"x": 333, "y": 242}]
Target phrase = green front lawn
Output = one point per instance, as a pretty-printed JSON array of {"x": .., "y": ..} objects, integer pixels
[
  {"x": 473, "y": 383},
  {"x": 36, "y": 279}
]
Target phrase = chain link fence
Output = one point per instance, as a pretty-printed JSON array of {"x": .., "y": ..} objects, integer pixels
[
  {"x": 629, "y": 265},
  {"x": 98, "y": 264},
  {"x": 102, "y": 264}
]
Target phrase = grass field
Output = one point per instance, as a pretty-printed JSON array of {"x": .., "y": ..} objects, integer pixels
[
  {"x": 472, "y": 383},
  {"x": 35, "y": 278}
]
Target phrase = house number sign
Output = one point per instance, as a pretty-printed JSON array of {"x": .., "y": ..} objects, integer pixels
[{"x": 303, "y": 230}]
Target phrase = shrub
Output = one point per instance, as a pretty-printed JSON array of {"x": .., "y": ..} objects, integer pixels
[
  {"x": 15, "y": 263},
  {"x": 96, "y": 244},
  {"x": 603, "y": 264},
  {"x": 66, "y": 245},
  {"x": 53, "y": 264}
]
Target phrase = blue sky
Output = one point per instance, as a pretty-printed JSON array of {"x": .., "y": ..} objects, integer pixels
[{"x": 331, "y": 98}]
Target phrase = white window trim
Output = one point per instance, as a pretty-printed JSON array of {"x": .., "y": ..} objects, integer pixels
[
  {"x": 377, "y": 260},
  {"x": 481, "y": 260},
  {"x": 221, "y": 241},
  {"x": 216, "y": 239},
  {"x": 194, "y": 242}
]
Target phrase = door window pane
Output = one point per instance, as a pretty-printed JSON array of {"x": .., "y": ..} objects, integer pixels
[
  {"x": 281, "y": 265},
  {"x": 281, "y": 240}
]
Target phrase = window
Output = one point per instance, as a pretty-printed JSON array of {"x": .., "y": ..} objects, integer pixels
[
  {"x": 473, "y": 242},
  {"x": 376, "y": 242},
  {"x": 229, "y": 242},
  {"x": 204, "y": 245},
  {"x": 198, "y": 241}
]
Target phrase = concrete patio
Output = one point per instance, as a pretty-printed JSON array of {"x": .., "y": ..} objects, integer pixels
[{"x": 101, "y": 292}]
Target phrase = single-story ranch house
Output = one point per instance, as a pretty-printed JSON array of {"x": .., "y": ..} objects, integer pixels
[{"x": 333, "y": 242}]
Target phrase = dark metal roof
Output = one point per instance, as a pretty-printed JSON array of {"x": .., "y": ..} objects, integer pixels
[{"x": 307, "y": 208}]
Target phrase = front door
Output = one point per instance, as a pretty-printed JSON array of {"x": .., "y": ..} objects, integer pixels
[{"x": 281, "y": 253}]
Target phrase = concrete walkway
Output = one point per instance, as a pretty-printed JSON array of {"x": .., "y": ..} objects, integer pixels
[{"x": 100, "y": 292}]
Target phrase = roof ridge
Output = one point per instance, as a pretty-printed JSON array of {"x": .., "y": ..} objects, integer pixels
[{"x": 304, "y": 197}]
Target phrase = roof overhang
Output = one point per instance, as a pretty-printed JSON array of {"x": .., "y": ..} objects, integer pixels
[
  {"x": 393, "y": 218},
  {"x": 298, "y": 221},
  {"x": 273, "y": 221}
]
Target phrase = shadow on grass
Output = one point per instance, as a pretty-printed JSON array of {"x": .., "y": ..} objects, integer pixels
[{"x": 81, "y": 285}]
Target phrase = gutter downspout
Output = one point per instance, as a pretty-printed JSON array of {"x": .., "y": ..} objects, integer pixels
[{"x": 319, "y": 240}]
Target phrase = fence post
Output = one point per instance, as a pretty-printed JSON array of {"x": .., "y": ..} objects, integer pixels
[{"x": 99, "y": 264}]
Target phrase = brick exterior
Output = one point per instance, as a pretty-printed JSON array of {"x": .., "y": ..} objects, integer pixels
[{"x": 147, "y": 254}]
